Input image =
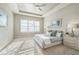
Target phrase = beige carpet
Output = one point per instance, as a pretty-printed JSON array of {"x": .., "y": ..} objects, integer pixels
[
  {"x": 56, "y": 50},
  {"x": 26, "y": 46}
]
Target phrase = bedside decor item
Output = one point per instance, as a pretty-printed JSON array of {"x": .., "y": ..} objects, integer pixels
[
  {"x": 76, "y": 25},
  {"x": 3, "y": 19},
  {"x": 67, "y": 33},
  {"x": 69, "y": 29}
]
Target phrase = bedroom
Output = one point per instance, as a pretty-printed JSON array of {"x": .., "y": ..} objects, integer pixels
[{"x": 23, "y": 24}]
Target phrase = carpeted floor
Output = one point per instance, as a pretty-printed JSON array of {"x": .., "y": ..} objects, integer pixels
[
  {"x": 57, "y": 50},
  {"x": 26, "y": 46}
]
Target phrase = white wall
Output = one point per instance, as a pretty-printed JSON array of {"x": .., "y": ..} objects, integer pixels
[
  {"x": 6, "y": 33},
  {"x": 68, "y": 14}
]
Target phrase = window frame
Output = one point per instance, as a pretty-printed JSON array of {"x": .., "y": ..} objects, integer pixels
[{"x": 29, "y": 26}]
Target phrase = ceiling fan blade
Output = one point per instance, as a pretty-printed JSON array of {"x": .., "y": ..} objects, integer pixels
[{"x": 40, "y": 9}]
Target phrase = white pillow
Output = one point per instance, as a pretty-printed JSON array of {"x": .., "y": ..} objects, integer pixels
[
  {"x": 58, "y": 34},
  {"x": 48, "y": 33}
]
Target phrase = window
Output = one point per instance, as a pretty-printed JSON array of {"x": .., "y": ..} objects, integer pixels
[{"x": 30, "y": 26}]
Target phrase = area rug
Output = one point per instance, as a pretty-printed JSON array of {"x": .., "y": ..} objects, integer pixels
[
  {"x": 27, "y": 48},
  {"x": 19, "y": 48},
  {"x": 11, "y": 49}
]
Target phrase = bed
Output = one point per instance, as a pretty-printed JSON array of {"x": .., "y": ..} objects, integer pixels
[{"x": 44, "y": 41}]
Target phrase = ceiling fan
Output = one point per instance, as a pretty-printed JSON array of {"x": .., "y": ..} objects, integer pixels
[{"x": 39, "y": 5}]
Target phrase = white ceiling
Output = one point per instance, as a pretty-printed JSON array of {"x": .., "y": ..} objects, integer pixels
[{"x": 30, "y": 8}]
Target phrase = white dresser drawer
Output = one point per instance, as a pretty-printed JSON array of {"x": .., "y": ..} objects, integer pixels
[
  {"x": 70, "y": 44},
  {"x": 69, "y": 40}
]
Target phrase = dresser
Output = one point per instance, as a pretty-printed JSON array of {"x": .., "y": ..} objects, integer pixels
[{"x": 71, "y": 41}]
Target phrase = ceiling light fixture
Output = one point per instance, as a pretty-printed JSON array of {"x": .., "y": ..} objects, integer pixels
[{"x": 39, "y": 5}]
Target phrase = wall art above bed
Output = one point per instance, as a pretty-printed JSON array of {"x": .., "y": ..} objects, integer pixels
[
  {"x": 3, "y": 19},
  {"x": 56, "y": 23}
]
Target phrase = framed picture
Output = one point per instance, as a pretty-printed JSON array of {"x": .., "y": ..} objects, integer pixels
[
  {"x": 56, "y": 22},
  {"x": 3, "y": 19}
]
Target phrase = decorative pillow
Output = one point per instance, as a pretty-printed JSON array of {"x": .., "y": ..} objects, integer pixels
[
  {"x": 53, "y": 33},
  {"x": 48, "y": 33},
  {"x": 58, "y": 34}
]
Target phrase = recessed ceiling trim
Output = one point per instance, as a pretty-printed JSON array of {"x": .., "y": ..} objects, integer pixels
[{"x": 30, "y": 13}]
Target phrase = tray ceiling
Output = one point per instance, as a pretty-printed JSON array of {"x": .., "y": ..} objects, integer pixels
[{"x": 33, "y": 8}]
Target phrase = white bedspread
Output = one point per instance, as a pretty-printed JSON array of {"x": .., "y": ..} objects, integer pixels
[{"x": 44, "y": 40}]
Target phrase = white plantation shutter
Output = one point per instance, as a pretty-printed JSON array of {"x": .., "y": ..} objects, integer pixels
[{"x": 30, "y": 26}]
